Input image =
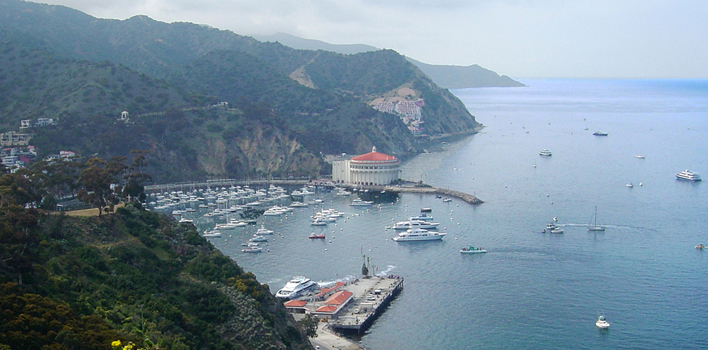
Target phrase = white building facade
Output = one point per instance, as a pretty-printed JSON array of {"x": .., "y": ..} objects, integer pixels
[{"x": 370, "y": 169}]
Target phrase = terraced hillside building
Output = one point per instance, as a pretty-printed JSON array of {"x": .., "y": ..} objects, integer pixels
[{"x": 370, "y": 169}]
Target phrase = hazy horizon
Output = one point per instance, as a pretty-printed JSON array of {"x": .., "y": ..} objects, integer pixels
[{"x": 521, "y": 39}]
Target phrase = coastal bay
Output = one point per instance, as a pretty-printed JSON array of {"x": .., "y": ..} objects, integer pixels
[{"x": 534, "y": 290}]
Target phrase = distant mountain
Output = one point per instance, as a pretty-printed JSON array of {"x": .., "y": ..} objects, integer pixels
[
  {"x": 461, "y": 77},
  {"x": 311, "y": 44},
  {"x": 451, "y": 77}
]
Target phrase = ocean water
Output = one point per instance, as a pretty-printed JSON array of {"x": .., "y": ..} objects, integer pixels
[{"x": 535, "y": 290}]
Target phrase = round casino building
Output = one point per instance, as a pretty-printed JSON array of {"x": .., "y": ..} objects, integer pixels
[{"x": 370, "y": 169}]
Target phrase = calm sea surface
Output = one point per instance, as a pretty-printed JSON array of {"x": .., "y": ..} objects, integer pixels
[{"x": 535, "y": 290}]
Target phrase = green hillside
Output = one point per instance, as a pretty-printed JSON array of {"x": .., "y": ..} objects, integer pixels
[
  {"x": 134, "y": 276},
  {"x": 285, "y": 107}
]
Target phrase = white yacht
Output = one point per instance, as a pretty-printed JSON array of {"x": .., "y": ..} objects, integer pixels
[
  {"x": 296, "y": 286},
  {"x": 252, "y": 250},
  {"x": 318, "y": 222},
  {"x": 418, "y": 234},
  {"x": 545, "y": 152},
  {"x": 360, "y": 203},
  {"x": 257, "y": 238},
  {"x": 688, "y": 176},
  {"x": 602, "y": 323},
  {"x": 264, "y": 231},
  {"x": 405, "y": 225},
  {"x": 273, "y": 212},
  {"x": 553, "y": 228},
  {"x": 212, "y": 234},
  {"x": 422, "y": 217}
]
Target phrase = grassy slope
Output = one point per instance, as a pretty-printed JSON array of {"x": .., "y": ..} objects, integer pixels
[{"x": 135, "y": 275}]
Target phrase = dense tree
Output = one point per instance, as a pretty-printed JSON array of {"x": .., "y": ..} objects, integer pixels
[{"x": 98, "y": 177}]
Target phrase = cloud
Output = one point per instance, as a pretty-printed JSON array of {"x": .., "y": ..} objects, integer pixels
[{"x": 520, "y": 38}]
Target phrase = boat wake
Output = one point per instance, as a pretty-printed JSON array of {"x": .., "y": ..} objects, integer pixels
[
  {"x": 612, "y": 226},
  {"x": 386, "y": 272},
  {"x": 346, "y": 279}
]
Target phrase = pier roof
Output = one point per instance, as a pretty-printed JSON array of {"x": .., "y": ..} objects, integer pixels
[
  {"x": 295, "y": 303},
  {"x": 327, "y": 308},
  {"x": 339, "y": 297}
]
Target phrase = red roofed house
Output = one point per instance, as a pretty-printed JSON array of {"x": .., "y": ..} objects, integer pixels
[{"x": 370, "y": 169}]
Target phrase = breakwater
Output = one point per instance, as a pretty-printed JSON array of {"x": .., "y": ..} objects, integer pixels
[{"x": 471, "y": 199}]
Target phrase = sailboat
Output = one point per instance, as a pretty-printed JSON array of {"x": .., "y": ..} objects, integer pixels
[{"x": 594, "y": 227}]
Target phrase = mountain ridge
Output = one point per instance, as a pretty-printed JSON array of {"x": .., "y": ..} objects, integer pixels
[
  {"x": 198, "y": 66},
  {"x": 447, "y": 76}
]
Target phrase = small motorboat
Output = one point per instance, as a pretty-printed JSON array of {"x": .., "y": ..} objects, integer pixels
[
  {"x": 211, "y": 234},
  {"x": 602, "y": 323},
  {"x": 640, "y": 156},
  {"x": 629, "y": 184},
  {"x": 264, "y": 231},
  {"x": 257, "y": 238},
  {"x": 701, "y": 246},
  {"x": 252, "y": 250},
  {"x": 316, "y": 236},
  {"x": 472, "y": 250}
]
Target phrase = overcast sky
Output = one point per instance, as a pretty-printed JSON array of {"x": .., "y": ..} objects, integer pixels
[{"x": 519, "y": 38}]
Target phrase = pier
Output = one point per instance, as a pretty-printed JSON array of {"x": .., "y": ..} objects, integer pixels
[
  {"x": 434, "y": 190},
  {"x": 371, "y": 296}
]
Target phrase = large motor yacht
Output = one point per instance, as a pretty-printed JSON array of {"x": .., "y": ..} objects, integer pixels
[
  {"x": 418, "y": 234},
  {"x": 296, "y": 286},
  {"x": 405, "y": 225},
  {"x": 688, "y": 176}
]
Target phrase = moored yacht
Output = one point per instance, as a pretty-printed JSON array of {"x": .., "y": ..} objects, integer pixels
[
  {"x": 422, "y": 217},
  {"x": 688, "y": 176},
  {"x": 405, "y": 225},
  {"x": 418, "y": 234},
  {"x": 360, "y": 203},
  {"x": 602, "y": 323},
  {"x": 212, "y": 234},
  {"x": 545, "y": 152},
  {"x": 296, "y": 286},
  {"x": 264, "y": 231}
]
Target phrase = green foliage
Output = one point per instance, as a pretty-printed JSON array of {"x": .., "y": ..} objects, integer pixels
[
  {"x": 30, "y": 321},
  {"x": 133, "y": 276}
]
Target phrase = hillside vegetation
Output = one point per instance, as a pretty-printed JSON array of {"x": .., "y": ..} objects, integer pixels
[
  {"x": 134, "y": 276},
  {"x": 285, "y": 107}
]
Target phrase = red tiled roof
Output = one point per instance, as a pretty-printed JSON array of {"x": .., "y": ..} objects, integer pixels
[
  {"x": 374, "y": 157},
  {"x": 338, "y": 298},
  {"x": 326, "y": 308},
  {"x": 327, "y": 290},
  {"x": 295, "y": 303}
]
